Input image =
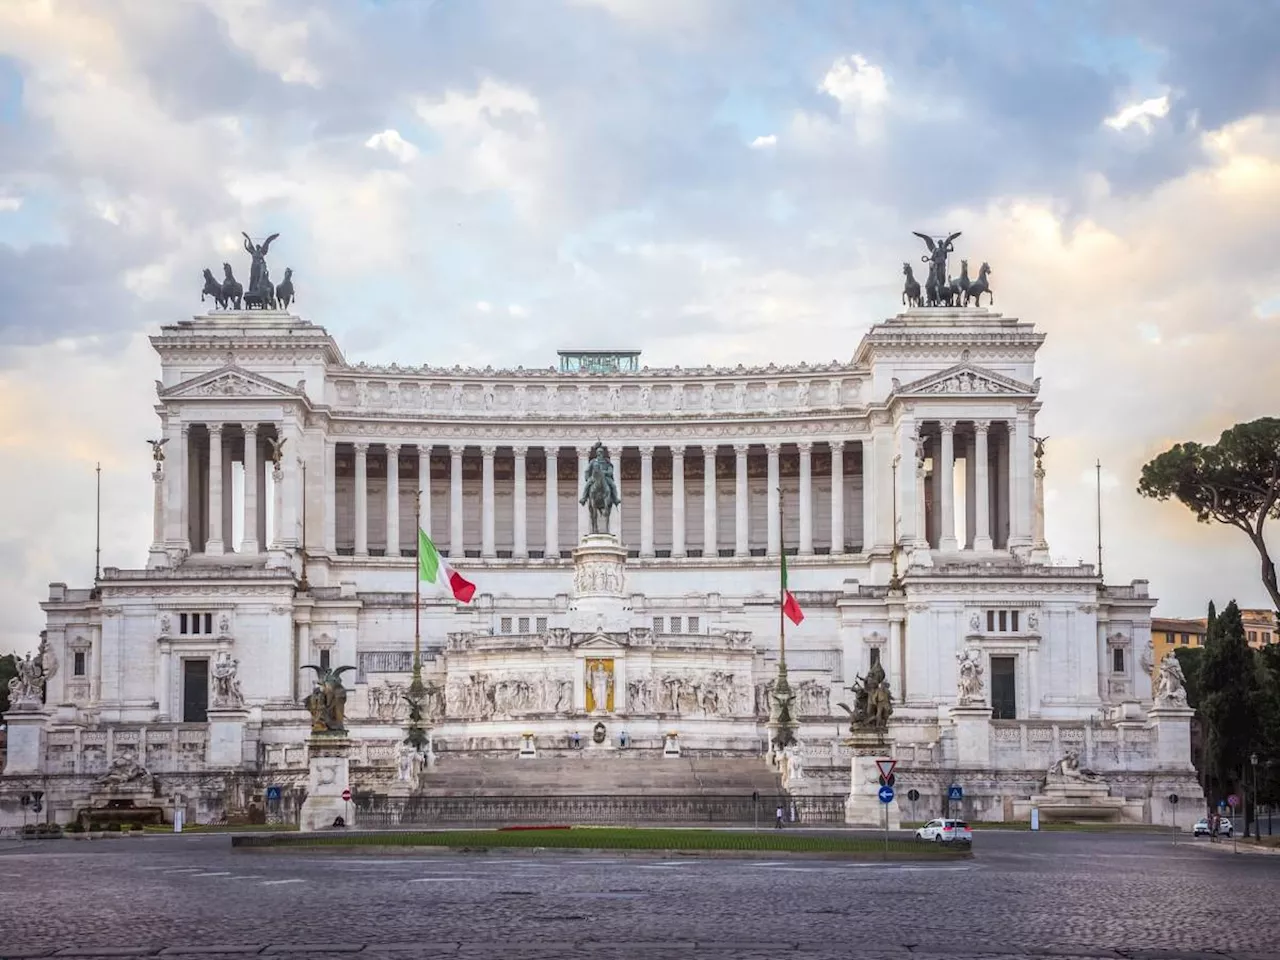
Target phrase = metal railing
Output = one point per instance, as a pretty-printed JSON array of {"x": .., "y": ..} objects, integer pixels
[{"x": 377, "y": 811}]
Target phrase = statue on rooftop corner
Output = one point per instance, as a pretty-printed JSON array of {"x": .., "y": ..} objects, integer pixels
[{"x": 599, "y": 492}]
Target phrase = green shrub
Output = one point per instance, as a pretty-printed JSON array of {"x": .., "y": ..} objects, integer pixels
[{"x": 113, "y": 827}]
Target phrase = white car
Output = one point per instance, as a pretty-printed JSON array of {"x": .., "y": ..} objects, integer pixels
[
  {"x": 945, "y": 831},
  {"x": 1201, "y": 829}
]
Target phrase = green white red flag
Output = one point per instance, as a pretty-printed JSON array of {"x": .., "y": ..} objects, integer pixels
[
  {"x": 789, "y": 605},
  {"x": 434, "y": 569}
]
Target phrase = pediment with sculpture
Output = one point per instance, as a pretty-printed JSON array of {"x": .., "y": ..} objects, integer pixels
[
  {"x": 231, "y": 381},
  {"x": 966, "y": 378}
]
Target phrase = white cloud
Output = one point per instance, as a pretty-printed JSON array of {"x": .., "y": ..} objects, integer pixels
[
  {"x": 1142, "y": 114},
  {"x": 517, "y": 311},
  {"x": 484, "y": 306},
  {"x": 390, "y": 141},
  {"x": 856, "y": 83},
  {"x": 491, "y": 100},
  {"x": 9, "y": 203},
  {"x": 764, "y": 142}
]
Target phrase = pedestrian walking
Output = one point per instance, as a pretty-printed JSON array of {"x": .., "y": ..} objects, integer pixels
[{"x": 777, "y": 818}]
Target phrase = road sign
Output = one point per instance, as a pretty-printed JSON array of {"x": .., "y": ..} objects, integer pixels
[
  {"x": 888, "y": 781},
  {"x": 886, "y": 794},
  {"x": 886, "y": 767},
  {"x": 913, "y": 794},
  {"x": 1233, "y": 801},
  {"x": 25, "y": 800},
  {"x": 346, "y": 793},
  {"x": 1222, "y": 804},
  {"x": 37, "y": 796},
  {"x": 273, "y": 793},
  {"x": 955, "y": 792},
  {"x": 1173, "y": 799}
]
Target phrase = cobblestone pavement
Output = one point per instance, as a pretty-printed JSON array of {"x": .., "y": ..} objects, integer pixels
[{"x": 1057, "y": 894}]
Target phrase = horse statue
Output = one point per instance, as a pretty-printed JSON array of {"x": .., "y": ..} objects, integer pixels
[
  {"x": 932, "y": 292},
  {"x": 959, "y": 287},
  {"x": 261, "y": 299},
  {"x": 232, "y": 292},
  {"x": 910, "y": 290},
  {"x": 979, "y": 287},
  {"x": 599, "y": 492},
  {"x": 284, "y": 290},
  {"x": 212, "y": 288}
]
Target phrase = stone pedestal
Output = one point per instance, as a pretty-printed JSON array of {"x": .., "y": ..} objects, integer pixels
[
  {"x": 527, "y": 747},
  {"x": 330, "y": 775},
  {"x": 226, "y": 736},
  {"x": 973, "y": 735},
  {"x": 1171, "y": 726},
  {"x": 671, "y": 746},
  {"x": 863, "y": 808},
  {"x": 26, "y": 741},
  {"x": 599, "y": 602},
  {"x": 1079, "y": 800}
]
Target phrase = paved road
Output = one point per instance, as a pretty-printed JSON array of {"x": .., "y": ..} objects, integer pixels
[{"x": 1072, "y": 895}]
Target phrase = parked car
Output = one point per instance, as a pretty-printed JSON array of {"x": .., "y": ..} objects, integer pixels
[
  {"x": 1201, "y": 829},
  {"x": 945, "y": 831}
]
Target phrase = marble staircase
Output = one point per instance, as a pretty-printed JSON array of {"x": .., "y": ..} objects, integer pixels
[{"x": 589, "y": 772}]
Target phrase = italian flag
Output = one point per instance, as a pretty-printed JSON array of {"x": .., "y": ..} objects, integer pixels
[
  {"x": 432, "y": 568},
  {"x": 789, "y": 605}
]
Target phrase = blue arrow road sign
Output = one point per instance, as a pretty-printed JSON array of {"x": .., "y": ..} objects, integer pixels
[
  {"x": 954, "y": 792},
  {"x": 273, "y": 793},
  {"x": 886, "y": 794}
]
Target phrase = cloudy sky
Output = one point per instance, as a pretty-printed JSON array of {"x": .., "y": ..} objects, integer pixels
[{"x": 475, "y": 182}]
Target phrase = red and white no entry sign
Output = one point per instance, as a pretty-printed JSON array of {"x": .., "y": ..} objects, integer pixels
[{"x": 346, "y": 794}]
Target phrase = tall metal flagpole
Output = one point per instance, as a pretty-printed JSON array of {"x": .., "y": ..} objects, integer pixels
[
  {"x": 417, "y": 735},
  {"x": 782, "y": 592},
  {"x": 97, "y": 543},
  {"x": 1098, "y": 467},
  {"x": 780, "y": 719}
]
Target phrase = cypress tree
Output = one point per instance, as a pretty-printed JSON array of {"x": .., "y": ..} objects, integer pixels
[{"x": 1229, "y": 699}]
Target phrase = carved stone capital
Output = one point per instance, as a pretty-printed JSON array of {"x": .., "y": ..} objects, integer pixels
[
  {"x": 520, "y": 452},
  {"x": 981, "y": 426},
  {"x": 424, "y": 452},
  {"x": 772, "y": 450},
  {"x": 551, "y": 453},
  {"x": 215, "y": 430},
  {"x": 362, "y": 449},
  {"x": 488, "y": 451},
  {"x": 677, "y": 453},
  {"x": 456, "y": 450},
  {"x": 947, "y": 426},
  {"x": 393, "y": 449},
  {"x": 250, "y": 430},
  {"x": 646, "y": 451},
  {"x": 709, "y": 452},
  {"x": 805, "y": 447},
  {"x": 186, "y": 431},
  {"x": 741, "y": 449}
]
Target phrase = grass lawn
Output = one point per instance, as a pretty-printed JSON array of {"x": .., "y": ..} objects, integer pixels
[{"x": 622, "y": 838}]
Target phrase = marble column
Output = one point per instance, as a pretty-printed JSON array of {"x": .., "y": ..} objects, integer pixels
[
  {"x": 982, "y": 495},
  {"x": 182, "y": 469},
  {"x": 393, "y": 500},
  {"x": 677, "y": 502},
  {"x": 584, "y": 519},
  {"x": 213, "y": 545},
  {"x": 947, "y": 541},
  {"x": 1021, "y": 481},
  {"x": 277, "y": 520},
  {"x": 260, "y": 475},
  {"x": 906, "y": 481},
  {"x": 519, "y": 507},
  {"x": 869, "y": 531},
  {"x": 773, "y": 545},
  {"x": 646, "y": 501},
  {"x": 552, "y": 532},
  {"x": 620, "y": 510},
  {"x": 362, "y": 499},
  {"x": 248, "y": 544},
  {"x": 970, "y": 491},
  {"x": 488, "y": 503},
  {"x": 742, "y": 513},
  {"x": 424, "y": 492},
  {"x": 330, "y": 497},
  {"x": 837, "y": 497},
  {"x": 935, "y": 478},
  {"x": 457, "y": 545},
  {"x": 228, "y": 535},
  {"x": 806, "y": 498},
  {"x": 710, "y": 546}
]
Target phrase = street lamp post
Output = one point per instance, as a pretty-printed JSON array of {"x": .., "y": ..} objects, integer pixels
[{"x": 1257, "y": 832}]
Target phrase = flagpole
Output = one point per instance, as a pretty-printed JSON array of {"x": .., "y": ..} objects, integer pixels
[
  {"x": 97, "y": 540},
  {"x": 1098, "y": 468},
  {"x": 417, "y": 736},
  {"x": 782, "y": 589}
]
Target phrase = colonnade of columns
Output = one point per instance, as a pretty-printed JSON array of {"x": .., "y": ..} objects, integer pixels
[
  {"x": 654, "y": 519},
  {"x": 200, "y": 459},
  {"x": 996, "y": 471}
]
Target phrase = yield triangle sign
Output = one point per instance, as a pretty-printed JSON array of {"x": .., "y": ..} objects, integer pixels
[{"x": 886, "y": 767}]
